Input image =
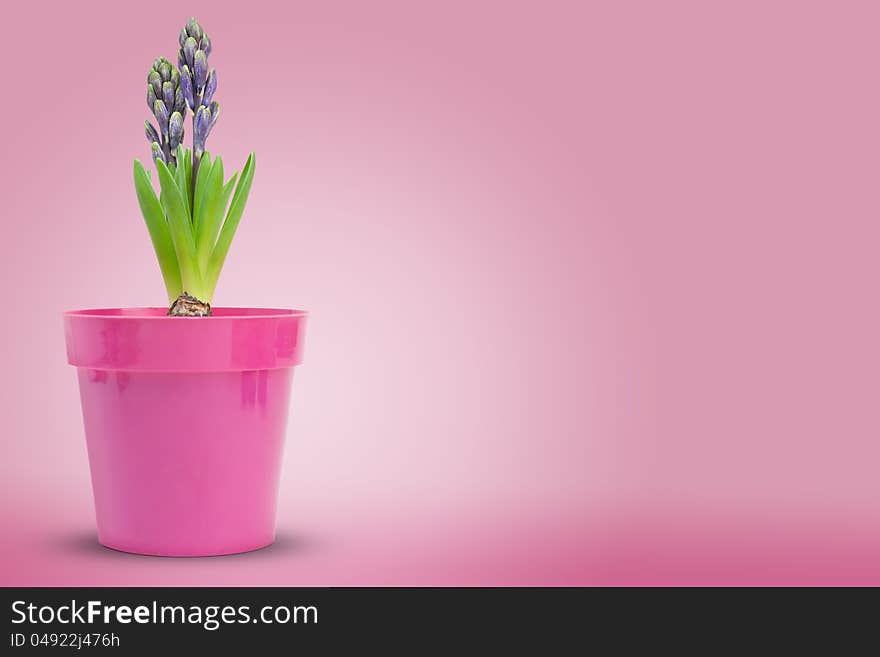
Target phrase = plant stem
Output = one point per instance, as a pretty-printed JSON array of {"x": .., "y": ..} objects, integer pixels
[
  {"x": 195, "y": 168},
  {"x": 197, "y": 156}
]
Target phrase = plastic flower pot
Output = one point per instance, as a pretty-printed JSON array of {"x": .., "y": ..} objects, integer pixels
[{"x": 185, "y": 424}]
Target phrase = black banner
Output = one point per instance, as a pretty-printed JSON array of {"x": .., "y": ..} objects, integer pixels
[
  {"x": 122, "y": 620},
  {"x": 414, "y": 621}
]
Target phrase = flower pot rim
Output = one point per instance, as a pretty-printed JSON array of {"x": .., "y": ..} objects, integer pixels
[
  {"x": 147, "y": 340},
  {"x": 157, "y": 313}
]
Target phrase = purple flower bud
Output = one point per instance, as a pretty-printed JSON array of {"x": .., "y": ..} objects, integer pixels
[
  {"x": 203, "y": 121},
  {"x": 205, "y": 44},
  {"x": 215, "y": 112},
  {"x": 175, "y": 130},
  {"x": 168, "y": 93},
  {"x": 186, "y": 86},
  {"x": 201, "y": 128},
  {"x": 200, "y": 69},
  {"x": 155, "y": 81},
  {"x": 181, "y": 58},
  {"x": 151, "y": 97},
  {"x": 151, "y": 133},
  {"x": 161, "y": 114},
  {"x": 179, "y": 101},
  {"x": 165, "y": 70},
  {"x": 156, "y": 152},
  {"x": 182, "y": 38},
  {"x": 189, "y": 50},
  {"x": 193, "y": 28},
  {"x": 210, "y": 87}
]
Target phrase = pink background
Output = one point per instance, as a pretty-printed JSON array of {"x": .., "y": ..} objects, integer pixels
[{"x": 594, "y": 285}]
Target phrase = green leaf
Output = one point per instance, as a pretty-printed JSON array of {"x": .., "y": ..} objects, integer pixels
[
  {"x": 233, "y": 217},
  {"x": 215, "y": 208},
  {"x": 181, "y": 232},
  {"x": 202, "y": 179},
  {"x": 211, "y": 214},
  {"x": 228, "y": 187},
  {"x": 154, "y": 217}
]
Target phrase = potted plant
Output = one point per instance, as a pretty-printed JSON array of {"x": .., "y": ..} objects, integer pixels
[{"x": 185, "y": 406}]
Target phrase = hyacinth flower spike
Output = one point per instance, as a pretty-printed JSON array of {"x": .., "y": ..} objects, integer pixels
[
  {"x": 198, "y": 84},
  {"x": 166, "y": 101}
]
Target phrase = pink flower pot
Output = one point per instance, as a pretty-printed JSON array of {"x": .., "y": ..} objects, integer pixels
[{"x": 185, "y": 421}]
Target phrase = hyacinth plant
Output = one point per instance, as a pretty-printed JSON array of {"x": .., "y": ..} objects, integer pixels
[{"x": 192, "y": 221}]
